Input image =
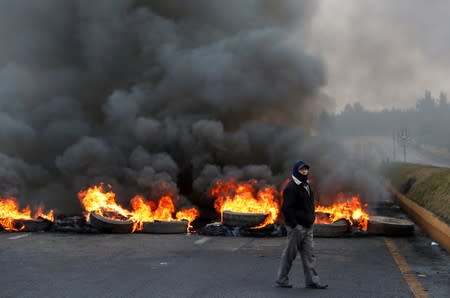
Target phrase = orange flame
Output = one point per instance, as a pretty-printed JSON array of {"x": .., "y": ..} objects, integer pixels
[
  {"x": 246, "y": 197},
  {"x": 189, "y": 214},
  {"x": 10, "y": 211},
  {"x": 351, "y": 210},
  {"x": 50, "y": 216},
  {"x": 96, "y": 199},
  {"x": 148, "y": 211}
]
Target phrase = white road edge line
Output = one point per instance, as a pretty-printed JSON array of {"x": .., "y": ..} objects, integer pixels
[
  {"x": 202, "y": 241},
  {"x": 19, "y": 236}
]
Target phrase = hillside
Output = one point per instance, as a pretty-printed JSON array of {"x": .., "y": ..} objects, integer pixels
[{"x": 426, "y": 185}]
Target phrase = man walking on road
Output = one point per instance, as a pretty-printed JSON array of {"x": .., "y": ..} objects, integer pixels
[{"x": 298, "y": 212}]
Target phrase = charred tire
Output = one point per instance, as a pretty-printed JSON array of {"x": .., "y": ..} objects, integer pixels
[
  {"x": 32, "y": 225},
  {"x": 336, "y": 229},
  {"x": 390, "y": 226},
  {"x": 165, "y": 227},
  {"x": 109, "y": 225},
  {"x": 240, "y": 219}
]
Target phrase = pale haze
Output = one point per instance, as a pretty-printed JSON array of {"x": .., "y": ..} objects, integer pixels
[{"x": 382, "y": 54}]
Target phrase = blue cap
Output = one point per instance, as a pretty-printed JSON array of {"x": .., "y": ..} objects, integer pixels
[{"x": 299, "y": 164}]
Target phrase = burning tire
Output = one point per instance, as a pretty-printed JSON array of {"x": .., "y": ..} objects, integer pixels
[
  {"x": 239, "y": 219},
  {"x": 110, "y": 225},
  {"x": 336, "y": 229},
  {"x": 390, "y": 226},
  {"x": 165, "y": 227},
  {"x": 32, "y": 225}
]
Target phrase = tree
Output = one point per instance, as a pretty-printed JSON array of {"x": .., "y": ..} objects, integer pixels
[
  {"x": 427, "y": 103},
  {"x": 358, "y": 108},
  {"x": 443, "y": 104}
]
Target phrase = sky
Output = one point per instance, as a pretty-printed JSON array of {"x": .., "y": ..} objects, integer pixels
[{"x": 382, "y": 53}]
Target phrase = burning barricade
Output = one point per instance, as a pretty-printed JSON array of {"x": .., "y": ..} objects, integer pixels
[
  {"x": 348, "y": 216},
  {"x": 13, "y": 219},
  {"x": 247, "y": 208},
  {"x": 345, "y": 215},
  {"x": 252, "y": 207},
  {"x": 104, "y": 213},
  {"x": 161, "y": 218},
  {"x": 351, "y": 210},
  {"x": 246, "y": 204}
]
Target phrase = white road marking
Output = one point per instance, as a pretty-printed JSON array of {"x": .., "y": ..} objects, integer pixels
[
  {"x": 19, "y": 236},
  {"x": 240, "y": 246},
  {"x": 202, "y": 241}
]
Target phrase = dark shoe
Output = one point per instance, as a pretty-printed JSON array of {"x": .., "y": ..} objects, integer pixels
[
  {"x": 317, "y": 286},
  {"x": 283, "y": 285}
]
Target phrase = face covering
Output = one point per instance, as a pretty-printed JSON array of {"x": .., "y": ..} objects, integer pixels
[{"x": 295, "y": 173}]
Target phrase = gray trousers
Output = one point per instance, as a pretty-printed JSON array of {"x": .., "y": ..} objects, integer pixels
[{"x": 299, "y": 239}]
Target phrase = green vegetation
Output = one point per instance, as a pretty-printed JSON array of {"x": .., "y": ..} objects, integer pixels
[{"x": 426, "y": 185}]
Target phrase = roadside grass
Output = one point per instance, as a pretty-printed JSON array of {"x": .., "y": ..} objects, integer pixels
[{"x": 428, "y": 186}]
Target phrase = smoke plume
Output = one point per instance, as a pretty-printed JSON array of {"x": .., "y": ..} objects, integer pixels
[{"x": 133, "y": 93}]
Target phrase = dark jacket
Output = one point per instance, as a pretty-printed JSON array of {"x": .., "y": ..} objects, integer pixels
[{"x": 298, "y": 205}]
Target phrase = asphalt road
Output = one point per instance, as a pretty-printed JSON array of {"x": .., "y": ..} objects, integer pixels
[
  {"x": 139, "y": 265},
  {"x": 414, "y": 154},
  {"x": 378, "y": 148}
]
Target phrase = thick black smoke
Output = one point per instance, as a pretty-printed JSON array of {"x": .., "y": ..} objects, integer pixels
[{"x": 133, "y": 93}]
